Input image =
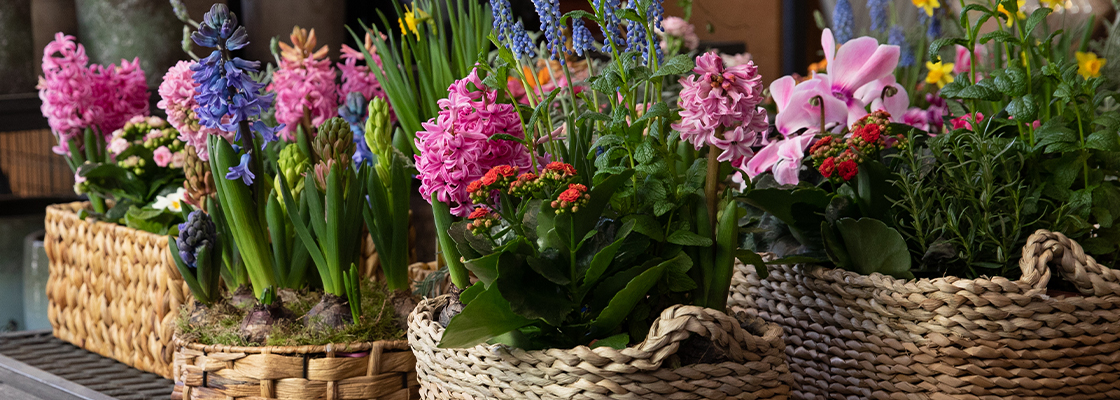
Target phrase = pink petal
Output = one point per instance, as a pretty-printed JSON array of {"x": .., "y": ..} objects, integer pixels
[
  {"x": 828, "y": 44},
  {"x": 764, "y": 159},
  {"x": 786, "y": 172},
  {"x": 781, "y": 89},
  {"x": 860, "y": 61}
]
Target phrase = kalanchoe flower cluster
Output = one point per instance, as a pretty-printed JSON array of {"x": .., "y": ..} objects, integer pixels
[
  {"x": 571, "y": 199},
  {"x": 177, "y": 92},
  {"x": 525, "y": 185},
  {"x": 159, "y": 142},
  {"x": 455, "y": 146},
  {"x": 76, "y": 95},
  {"x": 227, "y": 93},
  {"x": 839, "y": 158},
  {"x": 718, "y": 99},
  {"x": 481, "y": 220},
  {"x": 549, "y": 12},
  {"x": 496, "y": 179},
  {"x": 510, "y": 31},
  {"x": 304, "y": 82},
  {"x": 194, "y": 235}
]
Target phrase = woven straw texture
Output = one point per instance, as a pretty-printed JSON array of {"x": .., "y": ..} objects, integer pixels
[
  {"x": 851, "y": 336},
  {"x": 112, "y": 290},
  {"x": 115, "y": 291},
  {"x": 381, "y": 370},
  {"x": 756, "y": 369}
]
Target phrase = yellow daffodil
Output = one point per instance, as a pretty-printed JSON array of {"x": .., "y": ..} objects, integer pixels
[
  {"x": 940, "y": 73},
  {"x": 927, "y": 5},
  {"x": 1088, "y": 65},
  {"x": 1018, "y": 15},
  {"x": 1053, "y": 4},
  {"x": 412, "y": 17}
]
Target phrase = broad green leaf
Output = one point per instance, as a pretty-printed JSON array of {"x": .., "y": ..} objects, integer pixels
[
  {"x": 531, "y": 295},
  {"x": 688, "y": 238},
  {"x": 603, "y": 258},
  {"x": 935, "y": 47},
  {"x": 625, "y": 300},
  {"x": 1103, "y": 140},
  {"x": 998, "y": 35},
  {"x": 1011, "y": 81},
  {"x": 752, "y": 258},
  {"x": 619, "y": 342},
  {"x": 486, "y": 316},
  {"x": 1023, "y": 108},
  {"x": 1036, "y": 17},
  {"x": 875, "y": 247},
  {"x": 470, "y": 293},
  {"x": 677, "y": 65},
  {"x": 646, "y": 225}
]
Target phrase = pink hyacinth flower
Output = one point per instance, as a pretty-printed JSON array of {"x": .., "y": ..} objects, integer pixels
[
  {"x": 176, "y": 94},
  {"x": 782, "y": 157},
  {"x": 305, "y": 84},
  {"x": 716, "y": 97}
]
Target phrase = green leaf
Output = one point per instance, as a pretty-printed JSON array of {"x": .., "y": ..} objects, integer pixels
[
  {"x": 1024, "y": 108},
  {"x": 646, "y": 225},
  {"x": 688, "y": 238},
  {"x": 1103, "y": 140},
  {"x": 875, "y": 247},
  {"x": 677, "y": 65},
  {"x": 1000, "y": 35},
  {"x": 608, "y": 82},
  {"x": 980, "y": 91},
  {"x": 531, "y": 295},
  {"x": 468, "y": 295},
  {"x": 1011, "y": 81},
  {"x": 658, "y": 110},
  {"x": 618, "y": 342},
  {"x": 1036, "y": 17},
  {"x": 603, "y": 258},
  {"x": 624, "y": 301},
  {"x": 935, "y": 47},
  {"x": 594, "y": 116},
  {"x": 752, "y": 258},
  {"x": 486, "y": 316},
  {"x": 506, "y": 136},
  {"x": 953, "y": 89}
]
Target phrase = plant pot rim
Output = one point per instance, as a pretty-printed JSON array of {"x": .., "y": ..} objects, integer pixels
[
  {"x": 71, "y": 210},
  {"x": 352, "y": 347}
]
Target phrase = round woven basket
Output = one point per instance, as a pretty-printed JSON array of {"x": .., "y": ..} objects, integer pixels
[
  {"x": 380, "y": 370},
  {"x": 755, "y": 369},
  {"x": 852, "y": 336}
]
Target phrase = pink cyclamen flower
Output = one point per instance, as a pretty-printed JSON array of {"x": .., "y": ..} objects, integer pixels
[
  {"x": 965, "y": 121},
  {"x": 681, "y": 29},
  {"x": 800, "y": 105},
  {"x": 162, "y": 156},
  {"x": 963, "y": 62},
  {"x": 716, "y": 97},
  {"x": 120, "y": 93},
  {"x": 782, "y": 157},
  {"x": 878, "y": 95},
  {"x": 455, "y": 146},
  {"x": 304, "y": 84},
  {"x": 176, "y": 94},
  {"x": 916, "y": 117},
  {"x": 857, "y": 62}
]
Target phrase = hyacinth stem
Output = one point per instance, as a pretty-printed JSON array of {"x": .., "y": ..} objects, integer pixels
[{"x": 711, "y": 184}]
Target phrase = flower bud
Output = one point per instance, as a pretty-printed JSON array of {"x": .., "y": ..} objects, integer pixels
[
  {"x": 194, "y": 235},
  {"x": 334, "y": 141},
  {"x": 379, "y": 137}
]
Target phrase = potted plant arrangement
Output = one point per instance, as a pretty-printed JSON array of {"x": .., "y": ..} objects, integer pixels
[
  {"x": 595, "y": 223},
  {"x": 108, "y": 289},
  {"x": 281, "y": 225},
  {"x": 922, "y": 258}
]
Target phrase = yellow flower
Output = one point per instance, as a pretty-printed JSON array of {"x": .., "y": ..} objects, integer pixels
[
  {"x": 928, "y": 5},
  {"x": 939, "y": 73},
  {"x": 1053, "y": 4},
  {"x": 1018, "y": 15},
  {"x": 412, "y": 18},
  {"x": 1088, "y": 65}
]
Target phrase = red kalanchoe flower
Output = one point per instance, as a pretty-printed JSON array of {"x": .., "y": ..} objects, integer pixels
[
  {"x": 870, "y": 133},
  {"x": 848, "y": 170},
  {"x": 822, "y": 142},
  {"x": 570, "y": 199},
  {"x": 557, "y": 171},
  {"x": 482, "y": 220},
  {"x": 480, "y": 212},
  {"x": 524, "y": 184},
  {"x": 828, "y": 167}
]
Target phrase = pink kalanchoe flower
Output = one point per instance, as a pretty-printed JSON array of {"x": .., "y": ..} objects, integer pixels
[
  {"x": 66, "y": 90},
  {"x": 176, "y": 94},
  {"x": 306, "y": 84},
  {"x": 681, "y": 29},
  {"x": 120, "y": 93},
  {"x": 455, "y": 146},
  {"x": 782, "y": 157},
  {"x": 716, "y": 97},
  {"x": 162, "y": 156}
]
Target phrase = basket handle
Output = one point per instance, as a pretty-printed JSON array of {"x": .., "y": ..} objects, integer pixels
[
  {"x": 1080, "y": 269},
  {"x": 677, "y": 323}
]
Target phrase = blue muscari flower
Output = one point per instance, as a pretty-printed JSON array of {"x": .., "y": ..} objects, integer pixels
[
  {"x": 510, "y": 31},
  {"x": 612, "y": 29},
  {"x": 241, "y": 171},
  {"x": 842, "y": 21},
  {"x": 906, "y": 54},
  {"x": 196, "y": 233},
  {"x": 549, "y": 12},
  {"x": 656, "y": 12},
  {"x": 581, "y": 38},
  {"x": 878, "y": 12},
  {"x": 354, "y": 111},
  {"x": 933, "y": 24},
  {"x": 636, "y": 37}
]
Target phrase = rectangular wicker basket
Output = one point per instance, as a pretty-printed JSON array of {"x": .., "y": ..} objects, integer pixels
[
  {"x": 112, "y": 290},
  {"x": 115, "y": 291}
]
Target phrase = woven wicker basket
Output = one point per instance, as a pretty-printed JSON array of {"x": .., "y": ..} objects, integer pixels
[
  {"x": 115, "y": 291},
  {"x": 112, "y": 290},
  {"x": 852, "y": 336},
  {"x": 757, "y": 369},
  {"x": 381, "y": 370}
]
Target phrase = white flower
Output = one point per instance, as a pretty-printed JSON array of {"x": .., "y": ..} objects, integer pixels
[
  {"x": 172, "y": 202},
  {"x": 155, "y": 121},
  {"x": 118, "y": 146}
]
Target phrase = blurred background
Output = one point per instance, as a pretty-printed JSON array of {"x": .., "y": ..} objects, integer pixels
[{"x": 782, "y": 37}]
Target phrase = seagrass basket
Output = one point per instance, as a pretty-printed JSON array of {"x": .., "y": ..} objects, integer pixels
[
  {"x": 755, "y": 367},
  {"x": 115, "y": 291},
  {"x": 852, "y": 336},
  {"x": 112, "y": 290},
  {"x": 382, "y": 370}
]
